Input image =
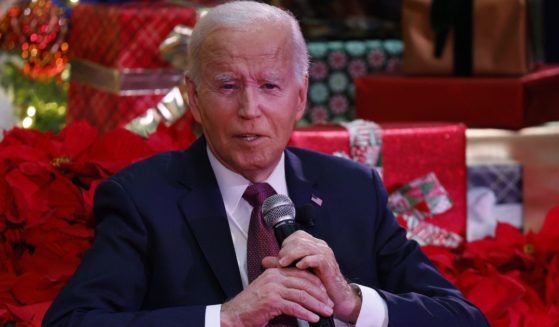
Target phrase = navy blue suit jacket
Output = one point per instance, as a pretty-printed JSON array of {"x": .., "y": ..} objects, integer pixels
[{"x": 163, "y": 248}]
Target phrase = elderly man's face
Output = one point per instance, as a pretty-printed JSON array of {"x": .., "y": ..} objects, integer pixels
[{"x": 248, "y": 98}]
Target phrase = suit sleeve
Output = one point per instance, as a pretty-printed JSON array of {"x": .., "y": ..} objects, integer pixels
[
  {"x": 109, "y": 286},
  {"x": 416, "y": 294}
]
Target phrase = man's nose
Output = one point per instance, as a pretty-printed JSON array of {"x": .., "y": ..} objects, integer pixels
[{"x": 249, "y": 102}]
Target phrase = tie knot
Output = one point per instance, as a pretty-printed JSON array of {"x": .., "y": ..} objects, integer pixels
[{"x": 255, "y": 194}]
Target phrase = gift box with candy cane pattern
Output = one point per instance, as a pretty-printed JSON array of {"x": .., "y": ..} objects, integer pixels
[{"x": 421, "y": 163}]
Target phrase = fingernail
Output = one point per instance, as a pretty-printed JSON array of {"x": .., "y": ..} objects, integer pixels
[
  {"x": 315, "y": 318},
  {"x": 329, "y": 310}
]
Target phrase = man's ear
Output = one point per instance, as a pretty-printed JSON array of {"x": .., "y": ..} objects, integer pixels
[
  {"x": 302, "y": 97},
  {"x": 193, "y": 99}
]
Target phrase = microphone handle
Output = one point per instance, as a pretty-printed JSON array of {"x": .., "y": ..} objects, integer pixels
[
  {"x": 323, "y": 322},
  {"x": 282, "y": 231}
]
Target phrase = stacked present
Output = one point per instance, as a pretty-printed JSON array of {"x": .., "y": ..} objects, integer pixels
[
  {"x": 345, "y": 42},
  {"x": 334, "y": 66},
  {"x": 481, "y": 63},
  {"x": 119, "y": 74},
  {"x": 422, "y": 165},
  {"x": 535, "y": 149},
  {"x": 482, "y": 74},
  {"x": 118, "y": 68},
  {"x": 494, "y": 195}
]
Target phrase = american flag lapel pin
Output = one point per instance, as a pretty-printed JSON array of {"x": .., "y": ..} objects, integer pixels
[{"x": 316, "y": 200}]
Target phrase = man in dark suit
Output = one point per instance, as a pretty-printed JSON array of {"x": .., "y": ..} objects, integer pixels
[{"x": 175, "y": 231}]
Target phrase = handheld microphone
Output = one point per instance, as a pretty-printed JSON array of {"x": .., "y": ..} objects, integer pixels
[{"x": 279, "y": 213}]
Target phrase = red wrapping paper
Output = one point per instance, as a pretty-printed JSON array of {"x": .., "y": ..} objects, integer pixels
[
  {"x": 127, "y": 35},
  {"x": 408, "y": 151},
  {"x": 121, "y": 38},
  {"x": 509, "y": 103},
  {"x": 104, "y": 109}
]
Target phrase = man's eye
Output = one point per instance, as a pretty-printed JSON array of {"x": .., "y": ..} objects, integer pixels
[
  {"x": 228, "y": 86},
  {"x": 269, "y": 86}
]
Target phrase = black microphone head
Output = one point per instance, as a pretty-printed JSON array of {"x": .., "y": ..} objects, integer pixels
[{"x": 277, "y": 208}]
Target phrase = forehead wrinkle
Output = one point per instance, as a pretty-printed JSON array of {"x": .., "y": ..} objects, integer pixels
[
  {"x": 228, "y": 49},
  {"x": 223, "y": 77},
  {"x": 223, "y": 71},
  {"x": 227, "y": 61}
]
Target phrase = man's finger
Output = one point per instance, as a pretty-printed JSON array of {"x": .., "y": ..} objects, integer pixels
[{"x": 270, "y": 262}]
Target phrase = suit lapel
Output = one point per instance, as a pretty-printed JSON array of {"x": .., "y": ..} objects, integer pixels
[
  {"x": 203, "y": 210},
  {"x": 302, "y": 187}
]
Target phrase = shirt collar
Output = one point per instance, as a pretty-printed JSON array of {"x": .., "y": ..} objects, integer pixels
[{"x": 232, "y": 185}]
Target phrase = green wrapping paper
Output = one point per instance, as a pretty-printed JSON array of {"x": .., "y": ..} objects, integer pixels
[{"x": 334, "y": 66}]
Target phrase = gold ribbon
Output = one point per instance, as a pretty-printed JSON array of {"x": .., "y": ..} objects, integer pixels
[
  {"x": 127, "y": 81},
  {"x": 138, "y": 81}
]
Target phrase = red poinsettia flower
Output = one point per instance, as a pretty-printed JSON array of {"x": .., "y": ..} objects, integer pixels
[
  {"x": 46, "y": 193},
  {"x": 546, "y": 241},
  {"x": 33, "y": 287},
  {"x": 110, "y": 153},
  {"x": 57, "y": 248},
  {"x": 507, "y": 248},
  {"x": 490, "y": 290},
  {"x": 552, "y": 281},
  {"x": 29, "y": 315}
]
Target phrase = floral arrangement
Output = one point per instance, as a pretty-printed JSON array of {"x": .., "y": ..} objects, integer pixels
[
  {"x": 513, "y": 277},
  {"x": 47, "y": 184},
  {"x": 46, "y": 191}
]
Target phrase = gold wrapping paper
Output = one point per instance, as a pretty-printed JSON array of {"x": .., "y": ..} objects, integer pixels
[
  {"x": 500, "y": 39},
  {"x": 537, "y": 149}
]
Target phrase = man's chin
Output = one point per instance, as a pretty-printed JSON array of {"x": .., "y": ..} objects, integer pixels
[{"x": 256, "y": 171}]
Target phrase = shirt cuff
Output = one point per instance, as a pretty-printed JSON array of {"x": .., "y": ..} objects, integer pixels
[
  {"x": 213, "y": 316},
  {"x": 374, "y": 311}
]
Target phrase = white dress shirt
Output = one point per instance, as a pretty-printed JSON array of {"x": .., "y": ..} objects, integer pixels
[{"x": 373, "y": 312}]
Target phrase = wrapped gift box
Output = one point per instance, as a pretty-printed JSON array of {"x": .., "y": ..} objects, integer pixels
[
  {"x": 117, "y": 69},
  {"x": 494, "y": 195},
  {"x": 408, "y": 151},
  {"x": 333, "y": 67},
  {"x": 510, "y": 103},
  {"x": 471, "y": 37},
  {"x": 536, "y": 149}
]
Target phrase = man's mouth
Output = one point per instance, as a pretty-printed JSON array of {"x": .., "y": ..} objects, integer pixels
[{"x": 249, "y": 137}]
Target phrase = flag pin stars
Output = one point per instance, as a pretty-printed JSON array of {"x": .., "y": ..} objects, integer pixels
[{"x": 316, "y": 200}]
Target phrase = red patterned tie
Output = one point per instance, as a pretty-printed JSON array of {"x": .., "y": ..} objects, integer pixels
[{"x": 261, "y": 240}]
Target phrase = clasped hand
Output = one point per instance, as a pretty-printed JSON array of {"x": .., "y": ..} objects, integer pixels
[{"x": 303, "y": 281}]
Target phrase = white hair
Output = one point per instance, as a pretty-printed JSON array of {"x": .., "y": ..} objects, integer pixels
[{"x": 243, "y": 14}]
